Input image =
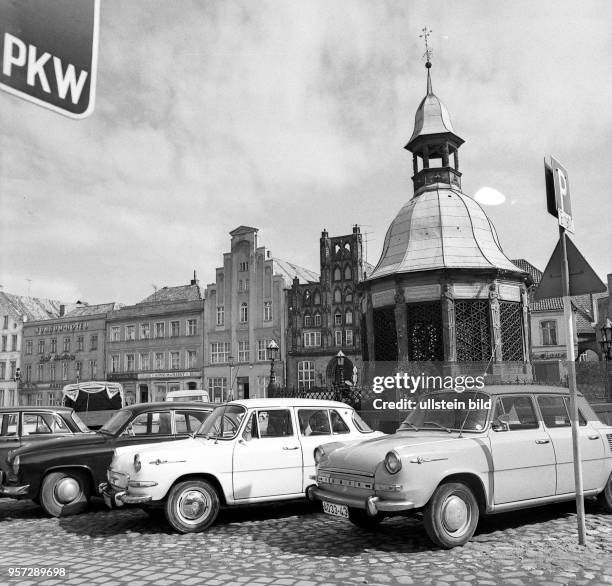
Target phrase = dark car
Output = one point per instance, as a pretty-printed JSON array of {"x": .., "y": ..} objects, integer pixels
[
  {"x": 21, "y": 426},
  {"x": 63, "y": 474}
]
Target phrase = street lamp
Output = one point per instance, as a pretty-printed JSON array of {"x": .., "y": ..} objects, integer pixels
[
  {"x": 340, "y": 359},
  {"x": 272, "y": 349},
  {"x": 606, "y": 350}
]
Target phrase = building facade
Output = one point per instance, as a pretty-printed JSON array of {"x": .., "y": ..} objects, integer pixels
[
  {"x": 15, "y": 311},
  {"x": 155, "y": 346},
  {"x": 245, "y": 309},
  {"x": 63, "y": 350},
  {"x": 323, "y": 316}
]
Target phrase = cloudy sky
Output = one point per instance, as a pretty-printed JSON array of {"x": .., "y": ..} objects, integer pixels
[{"x": 291, "y": 116}]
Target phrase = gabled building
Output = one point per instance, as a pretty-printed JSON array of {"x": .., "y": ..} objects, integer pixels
[{"x": 245, "y": 310}]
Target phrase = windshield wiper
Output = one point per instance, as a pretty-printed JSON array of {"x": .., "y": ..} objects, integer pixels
[{"x": 438, "y": 424}]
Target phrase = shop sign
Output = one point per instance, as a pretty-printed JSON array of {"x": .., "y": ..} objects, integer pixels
[
  {"x": 181, "y": 374},
  {"x": 73, "y": 327}
]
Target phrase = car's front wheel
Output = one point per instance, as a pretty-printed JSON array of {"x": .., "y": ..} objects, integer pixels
[
  {"x": 605, "y": 497},
  {"x": 361, "y": 519},
  {"x": 192, "y": 505},
  {"x": 64, "y": 493},
  {"x": 451, "y": 515}
]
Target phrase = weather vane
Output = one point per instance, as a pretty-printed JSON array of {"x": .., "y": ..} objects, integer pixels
[{"x": 428, "y": 51}]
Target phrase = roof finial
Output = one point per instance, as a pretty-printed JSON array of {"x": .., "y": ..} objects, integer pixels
[{"x": 428, "y": 53}]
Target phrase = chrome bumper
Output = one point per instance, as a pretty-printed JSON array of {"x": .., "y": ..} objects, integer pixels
[
  {"x": 372, "y": 504},
  {"x": 9, "y": 490},
  {"x": 120, "y": 497}
]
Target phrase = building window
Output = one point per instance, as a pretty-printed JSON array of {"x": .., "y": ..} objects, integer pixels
[
  {"x": 41, "y": 372},
  {"x": 267, "y": 313},
  {"x": 243, "y": 265},
  {"x": 348, "y": 274},
  {"x": 192, "y": 359},
  {"x": 338, "y": 337},
  {"x": 78, "y": 369},
  {"x": 348, "y": 296},
  {"x": 217, "y": 389},
  {"x": 312, "y": 339},
  {"x": 130, "y": 333},
  {"x": 175, "y": 329},
  {"x": 244, "y": 313},
  {"x": 192, "y": 327},
  {"x": 317, "y": 298},
  {"x": 66, "y": 344},
  {"x": 160, "y": 329},
  {"x": 175, "y": 360},
  {"x": 52, "y": 371},
  {"x": 348, "y": 334},
  {"x": 307, "y": 297},
  {"x": 28, "y": 373},
  {"x": 13, "y": 367},
  {"x": 93, "y": 369},
  {"x": 317, "y": 320},
  {"x": 219, "y": 352},
  {"x": 337, "y": 319},
  {"x": 337, "y": 296},
  {"x": 307, "y": 321},
  {"x": 337, "y": 274},
  {"x": 64, "y": 371},
  {"x": 11, "y": 397},
  {"x": 262, "y": 350},
  {"x": 306, "y": 374},
  {"x": 240, "y": 286},
  {"x": 549, "y": 332},
  {"x": 2, "y": 370},
  {"x": 6, "y": 318},
  {"x": 348, "y": 317},
  {"x": 220, "y": 315},
  {"x": 29, "y": 347},
  {"x": 93, "y": 342},
  {"x": 145, "y": 331},
  {"x": 53, "y": 345},
  {"x": 159, "y": 361},
  {"x": 115, "y": 334},
  {"x": 243, "y": 351},
  {"x": 4, "y": 343},
  {"x": 129, "y": 362},
  {"x": 145, "y": 362},
  {"x": 14, "y": 342},
  {"x": 41, "y": 346},
  {"x": 80, "y": 343},
  {"x": 115, "y": 363}
]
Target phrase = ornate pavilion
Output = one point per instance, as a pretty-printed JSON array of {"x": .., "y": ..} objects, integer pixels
[{"x": 443, "y": 289}]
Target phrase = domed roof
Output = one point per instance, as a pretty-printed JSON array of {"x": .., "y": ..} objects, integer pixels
[
  {"x": 441, "y": 228},
  {"x": 431, "y": 117}
]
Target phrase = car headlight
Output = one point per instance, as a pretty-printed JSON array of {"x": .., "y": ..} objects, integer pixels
[
  {"x": 393, "y": 462},
  {"x": 137, "y": 462},
  {"x": 319, "y": 453}
]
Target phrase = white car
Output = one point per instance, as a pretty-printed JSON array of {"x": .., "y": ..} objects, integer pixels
[{"x": 247, "y": 451}]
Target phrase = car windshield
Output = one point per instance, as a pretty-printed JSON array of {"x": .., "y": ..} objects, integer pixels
[
  {"x": 223, "y": 422},
  {"x": 116, "y": 422},
  {"x": 449, "y": 412},
  {"x": 79, "y": 423}
]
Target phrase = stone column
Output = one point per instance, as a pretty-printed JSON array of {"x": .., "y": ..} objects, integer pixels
[
  {"x": 445, "y": 155},
  {"x": 401, "y": 325},
  {"x": 369, "y": 316},
  {"x": 494, "y": 314},
  {"x": 448, "y": 324}
]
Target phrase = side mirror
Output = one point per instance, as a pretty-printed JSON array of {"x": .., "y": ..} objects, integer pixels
[{"x": 500, "y": 423}]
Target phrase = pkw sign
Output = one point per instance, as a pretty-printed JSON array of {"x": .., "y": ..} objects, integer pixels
[{"x": 49, "y": 52}]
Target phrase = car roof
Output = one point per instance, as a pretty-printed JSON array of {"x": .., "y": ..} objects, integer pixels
[
  {"x": 142, "y": 407},
  {"x": 45, "y": 408},
  {"x": 291, "y": 402}
]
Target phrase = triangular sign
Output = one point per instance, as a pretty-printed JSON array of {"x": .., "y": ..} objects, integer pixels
[{"x": 582, "y": 279}]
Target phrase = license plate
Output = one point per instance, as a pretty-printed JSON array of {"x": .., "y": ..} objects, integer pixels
[{"x": 336, "y": 510}]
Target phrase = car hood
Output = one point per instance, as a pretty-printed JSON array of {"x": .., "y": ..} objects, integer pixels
[
  {"x": 367, "y": 455},
  {"x": 59, "y": 443}
]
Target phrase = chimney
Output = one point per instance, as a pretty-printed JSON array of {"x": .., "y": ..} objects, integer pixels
[
  {"x": 195, "y": 280},
  {"x": 356, "y": 229},
  {"x": 268, "y": 253},
  {"x": 62, "y": 310}
]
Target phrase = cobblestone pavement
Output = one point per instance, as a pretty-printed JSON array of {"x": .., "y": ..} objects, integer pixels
[{"x": 289, "y": 544}]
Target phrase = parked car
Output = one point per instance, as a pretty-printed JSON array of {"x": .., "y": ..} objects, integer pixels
[
  {"x": 21, "y": 426},
  {"x": 64, "y": 474},
  {"x": 247, "y": 451},
  {"x": 512, "y": 450}
]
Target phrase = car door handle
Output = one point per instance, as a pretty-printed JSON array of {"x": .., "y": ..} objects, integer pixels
[
  {"x": 291, "y": 447},
  {"x": 594, "y": 437},
  {"x": 542, "y": 441}
]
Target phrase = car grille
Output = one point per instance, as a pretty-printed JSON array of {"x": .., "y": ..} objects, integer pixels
[
  {"x": 609, "y": 436},
  {"x": 118, "y": 479},
  {"x": 345, "y": 480}
]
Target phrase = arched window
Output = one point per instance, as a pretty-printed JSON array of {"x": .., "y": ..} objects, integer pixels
[
  {"x": 317, "y": 320},
  {"x": 348, "y": 317},
  {"x": 244, "y": 313},
  {"x": 307, "y": 321},
  {"x": 337, "y": 296},
  {"x": 337, "y": 274},
  {"x": 347, "y": 247},
  {"x": 317, "y": 298},
  {"x": 348, "y": 296},
  {"x": 306, "y": 297},
  {"x": 348, "y": 274},
  {"x": 336, "y": 248}
]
